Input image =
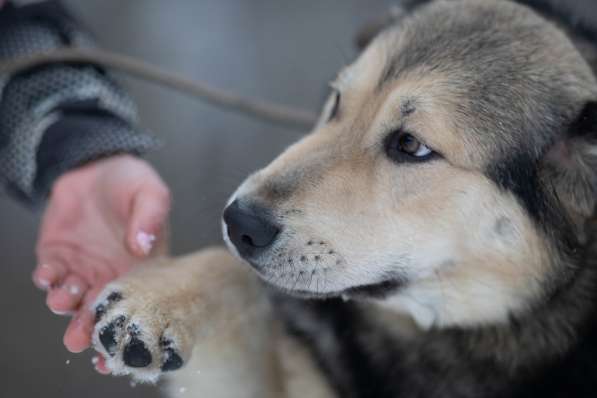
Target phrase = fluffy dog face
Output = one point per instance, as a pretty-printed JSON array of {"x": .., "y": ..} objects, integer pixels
[{"x": 419, "y": 185}]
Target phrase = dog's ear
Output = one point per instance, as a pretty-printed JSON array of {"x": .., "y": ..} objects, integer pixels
[
  {"x": 570, "y": 167},
  {"x": 368, "y": 32}
]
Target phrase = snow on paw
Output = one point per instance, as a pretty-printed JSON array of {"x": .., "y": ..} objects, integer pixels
[{"x": 136, "y": 334}]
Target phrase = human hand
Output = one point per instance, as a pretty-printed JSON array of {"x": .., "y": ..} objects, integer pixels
[{"x": 102, "y": 219}]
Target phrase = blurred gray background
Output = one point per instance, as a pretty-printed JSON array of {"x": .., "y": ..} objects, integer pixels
[{"x": 284, "y": 51}]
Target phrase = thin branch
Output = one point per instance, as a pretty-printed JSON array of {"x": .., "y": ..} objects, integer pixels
[{"x": 296, "y": 118}]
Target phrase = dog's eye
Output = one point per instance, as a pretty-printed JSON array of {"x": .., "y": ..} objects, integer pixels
[
  {"x": 402, "y": 146},
  {"x": 333, "y": 105}
]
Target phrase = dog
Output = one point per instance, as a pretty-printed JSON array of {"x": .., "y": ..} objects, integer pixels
[{"x": 431, "y": 237}]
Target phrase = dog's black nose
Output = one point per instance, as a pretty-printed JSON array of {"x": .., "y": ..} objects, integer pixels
[{"x": 250, "y": 229}]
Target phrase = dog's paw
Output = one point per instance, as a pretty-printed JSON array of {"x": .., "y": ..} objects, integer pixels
[{"x": 142, "y": 330}]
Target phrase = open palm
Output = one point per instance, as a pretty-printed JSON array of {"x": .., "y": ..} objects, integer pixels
[{"x": 101, "y": 220}]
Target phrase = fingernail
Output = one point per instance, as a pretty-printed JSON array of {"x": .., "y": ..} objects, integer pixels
[
  {"x": 145, "y": 241},
  {"x": 62, "y": 313},
  {"x": 95, "y": 360},
  {"x": 43, "y": 283}
]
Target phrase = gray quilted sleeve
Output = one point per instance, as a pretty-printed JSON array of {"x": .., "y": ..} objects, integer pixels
[{"x": 56, "y": 117}]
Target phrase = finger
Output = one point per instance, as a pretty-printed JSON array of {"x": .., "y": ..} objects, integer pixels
[
  {"x": 49, "y": 274},
  {"x": 67, "y": 296},
  {"x": 77, "y": 337},
  {"x": 149, "y": 213}
]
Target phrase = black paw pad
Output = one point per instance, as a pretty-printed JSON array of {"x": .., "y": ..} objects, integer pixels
[
  {"x": 107, "y": 335},
  {"x": 173, "y": 361},
  {"x": 136, "y": 354}
]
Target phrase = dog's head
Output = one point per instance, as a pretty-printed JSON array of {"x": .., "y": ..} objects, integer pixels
[{"x": 450, "y": 174}]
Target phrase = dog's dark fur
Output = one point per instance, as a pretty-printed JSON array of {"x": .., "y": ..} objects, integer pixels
[{"x": 551, "y": 351}]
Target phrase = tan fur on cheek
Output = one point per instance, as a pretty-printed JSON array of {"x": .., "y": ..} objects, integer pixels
[{"x": 496, "y": 264}]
